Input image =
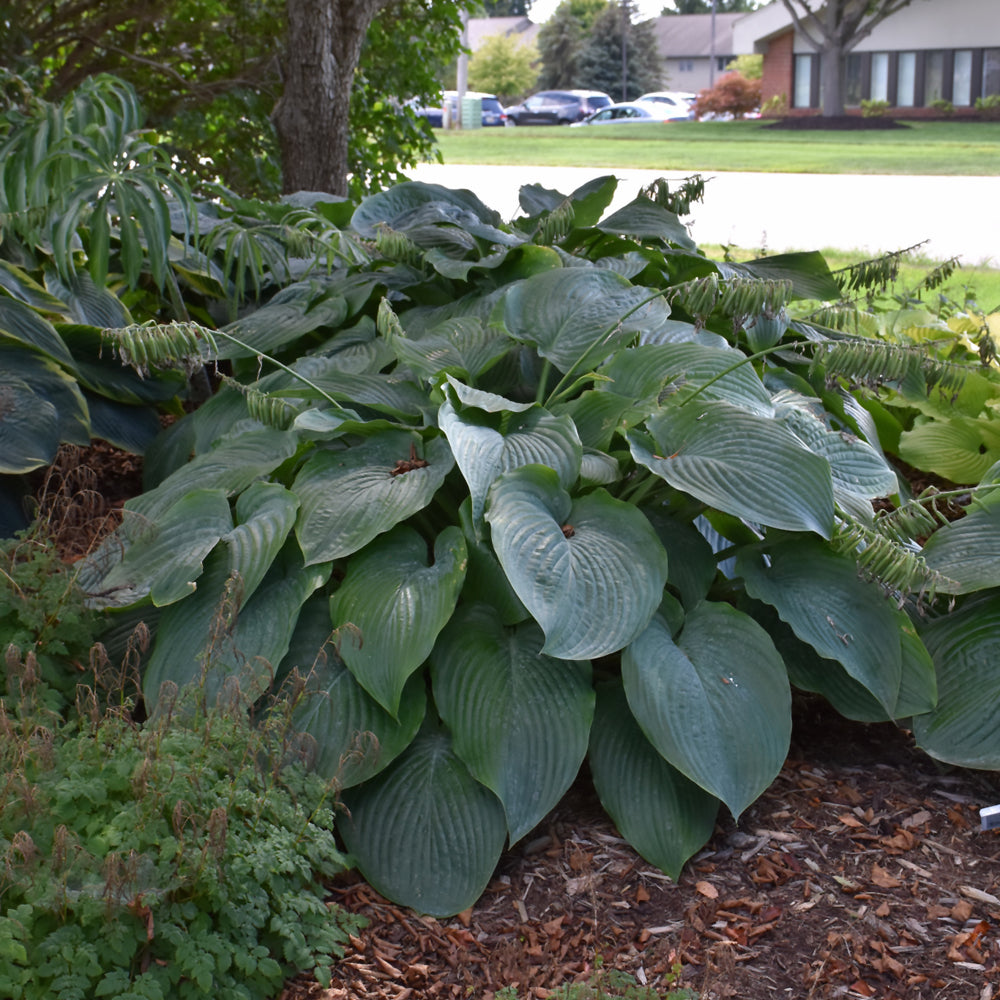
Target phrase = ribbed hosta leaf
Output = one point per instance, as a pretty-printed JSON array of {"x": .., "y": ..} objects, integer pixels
[
  {"x": 842, "y": 616},
  {"x": 645, "y": 219},
  {"x": 598, "y": 416},
  {"x": 858, "y": 470},
  {"x": 490, "y": 435},
  {"x": 967, "y": 551},
  {"x": 424, "y": 832},
  {"x": 248, "y": 453},
  {"x": 589, "y": 200},
  {"x": 576, "y": 316},
  {"x": 352, "y": 737},
  {"x": 519, "y": 719},
  {"x": 690, "y": 557},
  {"x": 965, "y": 646},
  {"x": 665, "y": 816},
  {"x": 162, "y": 558},
  {"x": 131, "y": 428},
  {"x": 201, "y": 639},
  {"x": 464, "y": 344},
  {"x": 21, "y": 323},
  {"x": 265, "y": 514},
  {"x": 29, "y": 427},
  {"x": 397, "y": 605},
  {"x": 591, "y": 571},
  {"x": 401, "y": 204},
  {"x": 740, "y": 463},
  {"x": 960, "y": 449},
  {"x": 656, "y": 371},
  {"x": 349, "y": 497},
  {"x": 715, "y": 702}
]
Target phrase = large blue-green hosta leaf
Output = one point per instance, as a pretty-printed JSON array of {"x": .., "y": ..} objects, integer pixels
[
  {"x": 715, "y": 702},
  {"x": 967, "y": 551},
  {"x": 519, "y": 719},
  {"x": 490, "y": 435},
  {"x": 646, "y": 219},
  {"x": 965, "y": 646},
  {"x": 828, "y": 605},
  {"x": 665, "y": 816},
  {"x": 424, "y": 832},
  {"x": 210, "y": 638},
  {"x": 21, "y": 323},
  {"x": 396, "y": 605},
  {"x": 460, "y": 345},
  {"x": 576, "y": 317},
  {"x": 161, "y": 559},
  {"x": 740, "y": 463},
  {"x": 351, "y": 737},
  {"x": 591, "y": 571},
  {"x": 349, "y": 497},
  {"x": 29, "y": 427},
  {"x": 655, "y": 372},
  {"x": 960, "y": 449}
]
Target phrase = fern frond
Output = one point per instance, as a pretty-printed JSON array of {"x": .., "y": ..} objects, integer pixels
[
  {"x": 873, "y": 363},
  {"x": 887, "y": 561},
  {"x": 556, "y": 225},
  {"x": 151, "y": 345},
  {"x": 935, "y": 278},
  {"x": 397, "y": 247}
]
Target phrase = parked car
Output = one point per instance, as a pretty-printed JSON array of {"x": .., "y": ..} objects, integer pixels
[
  {"x": 682, "y": 100},
  {"x": 634, "y": 112},
  {"x": 557, "y": 107},
  {"x": 492, "y": 114}
]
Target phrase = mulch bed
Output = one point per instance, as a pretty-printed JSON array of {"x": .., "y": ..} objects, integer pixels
[{"x": 834, "y": 123}]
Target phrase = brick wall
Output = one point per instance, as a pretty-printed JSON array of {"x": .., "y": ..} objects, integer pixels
[{"x": 779, "y": 65}]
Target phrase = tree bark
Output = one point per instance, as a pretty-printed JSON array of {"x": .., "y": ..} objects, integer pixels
[
  {"x": 833, "y": 28},
  {"x": 323, "y": 46}
]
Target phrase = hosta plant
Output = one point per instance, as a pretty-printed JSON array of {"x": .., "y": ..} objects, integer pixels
[{"x": 513, "y": 496}]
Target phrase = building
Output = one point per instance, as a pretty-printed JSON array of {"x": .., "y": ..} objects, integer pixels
[
  {"x": 930, "y": 51},
  {"x": 518, "y": 29},
  {"x": 695, "y": 54}
]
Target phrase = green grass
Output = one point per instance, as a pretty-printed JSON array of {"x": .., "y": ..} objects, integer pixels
[{"x": 944, "y": 148}]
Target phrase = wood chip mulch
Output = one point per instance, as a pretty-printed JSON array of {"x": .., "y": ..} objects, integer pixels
[{"x": 862, "y": 872}]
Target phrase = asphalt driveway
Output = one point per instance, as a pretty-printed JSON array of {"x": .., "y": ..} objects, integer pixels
[{"x": 957, "y": 216}]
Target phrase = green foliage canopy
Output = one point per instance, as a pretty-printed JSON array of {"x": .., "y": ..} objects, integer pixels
[{"x": 504, "y": 67}]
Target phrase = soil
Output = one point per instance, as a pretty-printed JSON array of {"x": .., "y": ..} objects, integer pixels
[{"x": 861, "y": 872}]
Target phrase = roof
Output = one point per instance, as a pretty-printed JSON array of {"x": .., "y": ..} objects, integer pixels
[
  {"x": 520, "y": 29},
  {"x": 686, "y": 36}
]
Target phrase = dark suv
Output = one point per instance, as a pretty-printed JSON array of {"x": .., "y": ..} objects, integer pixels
[{"x": 557, "y": 107}]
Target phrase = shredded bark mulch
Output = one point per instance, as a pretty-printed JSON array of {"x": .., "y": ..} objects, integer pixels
[{"x": 833, "y": 123}]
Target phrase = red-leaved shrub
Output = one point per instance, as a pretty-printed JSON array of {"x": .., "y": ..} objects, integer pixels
[{"x": 733, "y": 94}]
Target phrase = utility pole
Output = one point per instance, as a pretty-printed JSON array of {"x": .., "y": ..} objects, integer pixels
[
  {"x": 626, "y": 22},
  {"x": 462, "y": 81},
  {"x": 711, "y": 51}
]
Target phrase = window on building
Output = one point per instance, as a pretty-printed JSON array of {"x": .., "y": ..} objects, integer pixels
[
  {"x": 933, "y": 77},
  {"x": 685, "y": 65},
  {"x": 906, "y": 80},
  {"x": 880, "y": 76},
  {"x": 961, "y": 82},
  {"x": 991, "y": 72},
  {"x": 852, "y": 80},
  {"x": 802, "y": 89},
  {"x": 721, "y": 62}
]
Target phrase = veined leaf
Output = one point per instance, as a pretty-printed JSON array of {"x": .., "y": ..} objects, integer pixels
[
  {"x": 739, "y": 462},
  {"x": 591, "y": 570},
  {"x": 965, "y": 646},
  {"x": 519, "y": 719},
  {"x": 576, "y": 317},
  {"x": 424, "y": 832},
  {"x": 715, "y": 702},
  {"x": 843, "y": 617},
  {"x": 21, "y": 323},
  {"x": 265, "y": 515},
  {"x": 490, "y": 435},
  {"x": 967, "y": 551},
  {"x": 354, "y": 738},
  {"x": 29, "y": 427},
  {"x": 644, "y": 219},
  {"x": 397, "y": 605},
  {"x": 665, "y": 816},
  {"x": 348, "y": 497}
]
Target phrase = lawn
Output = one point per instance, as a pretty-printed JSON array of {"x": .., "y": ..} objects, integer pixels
[{"x": 945, "y": 148}]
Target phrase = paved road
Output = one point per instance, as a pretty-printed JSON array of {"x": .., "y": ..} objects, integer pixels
[{"x": 958, "y": 216}]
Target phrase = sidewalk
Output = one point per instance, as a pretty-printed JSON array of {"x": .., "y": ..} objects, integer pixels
[{"x": 958, "y": 216}]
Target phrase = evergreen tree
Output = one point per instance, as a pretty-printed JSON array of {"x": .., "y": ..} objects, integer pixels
[
  {"x": 506, "y": 8},
  {"x": 601, "y": 64},
  {"x": 562, "y": 39},
  {"x": 705, "y": 6}
]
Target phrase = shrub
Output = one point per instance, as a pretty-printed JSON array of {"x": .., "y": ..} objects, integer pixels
[
  {"x": 776, "y": 106},
  {"x": 989, "y": 106},
  {"x": 733, "y": 94},
  {"x": 873, "y": 109},
  {"x": 943, "y": 106}
]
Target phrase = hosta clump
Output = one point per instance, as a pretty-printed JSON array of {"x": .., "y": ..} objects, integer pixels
[{"x": 537, "y": 492}]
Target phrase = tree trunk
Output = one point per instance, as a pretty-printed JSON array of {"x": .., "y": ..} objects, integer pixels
[
  {"x": 323, "y": 45},
  {"x": 831, "y": 74}
]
